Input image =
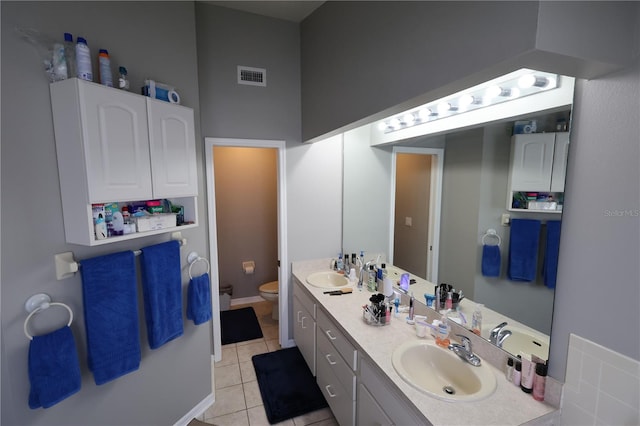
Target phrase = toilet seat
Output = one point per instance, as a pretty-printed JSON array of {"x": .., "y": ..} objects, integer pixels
[{"x": 270, "y": 287}]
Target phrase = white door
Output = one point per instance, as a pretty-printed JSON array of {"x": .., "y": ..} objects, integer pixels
[
  {"x": 173, "y": 150},
  {"x": 532, "y": 162},
  {"x": 116, "y": 142}
]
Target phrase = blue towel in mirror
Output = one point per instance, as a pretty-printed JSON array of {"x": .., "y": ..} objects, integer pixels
[
  {"x": 552, "y": 249},
  {"x": 523, "y": 249},
  {"x": 199, "y": 299},
  {"x": 110, "y": 295},
  {"x": 491, "y": 260},
  {"x": 162, "y": 292},
  {"x": 54, "y": 369}
]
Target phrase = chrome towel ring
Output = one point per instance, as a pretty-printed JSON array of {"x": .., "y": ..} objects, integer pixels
[
  {"x": 194, "y": 258},
  {"x": 38, "y": 303},
  {"x": 491, "y": 233}
]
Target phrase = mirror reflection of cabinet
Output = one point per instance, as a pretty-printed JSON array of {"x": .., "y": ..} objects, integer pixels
[
  {"x": 116, "y": 146},
  {"x": 537, "y": 171}
]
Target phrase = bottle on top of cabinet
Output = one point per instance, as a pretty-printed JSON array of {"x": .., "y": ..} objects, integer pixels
[{"x": 83, "y": 60}]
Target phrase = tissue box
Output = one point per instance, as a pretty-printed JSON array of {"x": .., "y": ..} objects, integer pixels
[{"x": 155, "y": 222}]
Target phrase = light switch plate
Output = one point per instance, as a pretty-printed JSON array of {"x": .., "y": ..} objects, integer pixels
[{"x": 408, "y": 221}]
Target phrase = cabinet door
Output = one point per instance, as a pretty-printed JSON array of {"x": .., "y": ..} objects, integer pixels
[
  {"x": 173, "y": 150},
  {"x": 116, "y": 142},
  {"x": 532, "y": 162},
  {"x": 560, "y": 154},
  {"x": 369, "y": 412},
  {"x": 304, "y": 334}
]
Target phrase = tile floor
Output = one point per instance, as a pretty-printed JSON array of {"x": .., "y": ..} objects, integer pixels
[{"x": 238, "y": 400}]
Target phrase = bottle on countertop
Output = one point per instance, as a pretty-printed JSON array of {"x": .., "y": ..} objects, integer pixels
[
  {"x": 106, "y": 78},
  {"x": 539, "y": 381},
  {"x": 509, "y": 371},
  {"x": 371, "y": 282},
  {"x": 517, "y": 373},
  {"x": 476, "y": 319},
  {"x": 83, "y": 60},
  {"x": 339, "y": 263},
  {"x": 70, "y": 55},
  {"x": 448, "y": 305},
  {"x": 442, "y": 336}
]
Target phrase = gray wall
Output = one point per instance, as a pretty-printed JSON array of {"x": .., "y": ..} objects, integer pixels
[
  {"x": 365, "y": 59},
  {"x": 172, "y": 379}
]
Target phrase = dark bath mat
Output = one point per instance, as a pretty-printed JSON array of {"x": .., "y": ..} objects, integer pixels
[
  {"x": 286, "y": 384},
  {"x": 238, "y": 325}
]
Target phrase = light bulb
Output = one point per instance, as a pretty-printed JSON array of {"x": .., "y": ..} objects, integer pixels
[
  {"x": 408, "y": 119},
  {"x": 382, "y": 126},
  {"x": 423, "y": 114},
  {"x": 495, "y": 91},
  {"x": 396, "y": 122},
  {"x": 468, "y": 100},
  {"x": 444, "y": 107},
  {"x": 531, "y": 80}
]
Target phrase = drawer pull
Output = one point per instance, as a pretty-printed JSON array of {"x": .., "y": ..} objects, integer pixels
[
  {"x": 302, "y": 322},
  {"x": 328, "y": 356},
  {"x": 328, "y": 333},
  {"x": 331, "y": 394}
]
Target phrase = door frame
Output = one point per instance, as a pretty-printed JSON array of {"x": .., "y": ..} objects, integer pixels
[
  {"x": 435, "y": 203},
  {"x": 283, "y": 296}
]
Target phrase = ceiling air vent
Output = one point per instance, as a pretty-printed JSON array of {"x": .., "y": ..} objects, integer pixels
[{"x": 252, "y": 76}]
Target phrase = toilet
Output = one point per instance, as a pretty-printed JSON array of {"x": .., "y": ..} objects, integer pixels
[{"x": 269, "y": 291}]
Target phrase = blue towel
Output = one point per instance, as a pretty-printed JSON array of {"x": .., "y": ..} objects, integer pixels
[
  {"x": 550, "y": 264},
  {"x": 109, "y": 291},
  {"x": 491, "y": 260},
  {"x": 523, "y": 249},
  {"x": 54, "y": 370},
  {"x": 199, "y": 299},
  {"x": 162, "y": 292}
]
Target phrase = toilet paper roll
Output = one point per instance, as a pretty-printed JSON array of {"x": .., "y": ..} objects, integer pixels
[
  {"x": 174, "y": 98},
  {"x": 248, "y": 270}
]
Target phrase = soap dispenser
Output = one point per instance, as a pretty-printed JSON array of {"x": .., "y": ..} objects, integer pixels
[{"x": 442, "y": 334}]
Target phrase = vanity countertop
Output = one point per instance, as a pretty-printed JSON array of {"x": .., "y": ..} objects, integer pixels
[{"x": 508, "y": 405}]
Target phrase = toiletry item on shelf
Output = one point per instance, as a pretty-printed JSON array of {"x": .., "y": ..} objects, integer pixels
[
  {"x": 476, "y": 320},
  {"x": 539, "y": 381},
  {"x": 528, "y": 371},
  {"x": 442, "y": 336},
  {"x": 340, "y": 264},
  {"x": 396, "y": 303},
  {"x": 101, "y": 228},
  {"x": 517, "y": 372},
  {"x": 345, "y": 264},
  {"x": 448, "y": 304},
  {"x": 70, "y": 55},
  {"x": 371, "y": 281},
  {"x": 59, "y": 62},
  {"x": 106, "y": 78},
  {"x": 118, "y": 223},
  {"x": 123, "y": 79},
  {"x": 508, "y": 374},
  {"x": 83, "y": 60}
]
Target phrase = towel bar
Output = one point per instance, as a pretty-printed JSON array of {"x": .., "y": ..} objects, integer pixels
[
  {"x": 67, "y": 266},
  {"x": 38, "y": 303}
]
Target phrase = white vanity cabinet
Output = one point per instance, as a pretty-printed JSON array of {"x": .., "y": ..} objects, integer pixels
[
  {"x": 379, "y": 403},
  {"x": 538, "y": 164},
  {"x": 304, "y": 326},
  {"x": 336, "y": 364},
  {"x": 116, "y": 146}
]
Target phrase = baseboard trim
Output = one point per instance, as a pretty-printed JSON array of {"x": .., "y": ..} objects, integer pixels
[
  {"x": 246, "y": 300},
  {"x": 197, "y": 410}
]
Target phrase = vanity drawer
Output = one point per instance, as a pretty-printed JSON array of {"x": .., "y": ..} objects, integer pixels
[
  {"x": 304, "y": 298},
  {"x": 337, "y": 339},
  {"x": 327, "y": 354},
  {"x": 339, "y": 399}
]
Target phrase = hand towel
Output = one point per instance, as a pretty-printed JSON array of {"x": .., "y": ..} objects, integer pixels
[
  {"x": 109, "y": 291},
  {"x": 199, "y": 299},
  {"x": 490, "y": 260},
  {"x": 162, "y": 292},
  {"x": 523, "y": 249},
  {"x": 552, "y": 249},
  {"x": 54, "y": 370}
]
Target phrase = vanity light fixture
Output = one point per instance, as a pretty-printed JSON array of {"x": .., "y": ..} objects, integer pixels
[{"x": 520, "y": 83}]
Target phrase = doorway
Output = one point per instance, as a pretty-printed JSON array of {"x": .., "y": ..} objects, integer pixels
[
  {"x": 237, "y": 198},
  {"x": 416, "y": 191}
]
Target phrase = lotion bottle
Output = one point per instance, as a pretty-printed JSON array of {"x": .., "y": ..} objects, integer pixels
[
  {"x": 517, "y": 373},
  {"x": 539, "y": 381},
  {"x": 101, "y": 228}
]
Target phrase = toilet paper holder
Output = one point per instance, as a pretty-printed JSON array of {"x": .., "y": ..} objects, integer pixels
[{"x": 249, "y": 267}]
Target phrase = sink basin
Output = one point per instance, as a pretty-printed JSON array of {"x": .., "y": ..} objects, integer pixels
[
  {"x": 523, "y": 341},
  {"x": 327, "y": 279},
  {"x": 440, "y": 373}
]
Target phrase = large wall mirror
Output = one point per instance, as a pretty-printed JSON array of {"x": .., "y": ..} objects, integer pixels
[{"x": 424, "y": 204}]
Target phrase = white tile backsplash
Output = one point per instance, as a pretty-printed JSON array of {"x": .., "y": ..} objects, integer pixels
[{"x": 602, "y": 387}]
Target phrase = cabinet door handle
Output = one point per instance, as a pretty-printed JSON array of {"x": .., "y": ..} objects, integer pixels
[
  {"x": 302, "y": 322},
  {"x": 299, "y": 312},
  {"x": 328, "y": 333},
  {"x": 331, "y": 394},
  {"x": 328, "y": 356}
]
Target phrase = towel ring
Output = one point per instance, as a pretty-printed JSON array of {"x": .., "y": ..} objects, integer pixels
[
  {"x": 491, "y": 233},
  {"x": 194, "y": 261},
  {"x": 38, "y": 303}
]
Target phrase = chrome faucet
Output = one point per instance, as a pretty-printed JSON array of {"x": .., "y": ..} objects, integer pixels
[
  {"x": 464, "y": 351},
  {"x": 363, "y": 270},
  {"x": 498, "y": 334}
]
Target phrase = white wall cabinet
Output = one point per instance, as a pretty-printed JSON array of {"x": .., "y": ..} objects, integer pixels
[
  {"x": 116, "y": 146},
  {"x": 538, "y": 164}
]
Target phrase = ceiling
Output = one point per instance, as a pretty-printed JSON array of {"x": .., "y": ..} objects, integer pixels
[{"x": 294, "y": 11}]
